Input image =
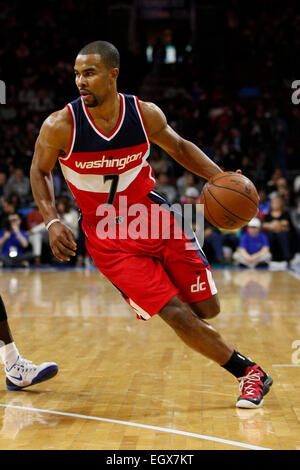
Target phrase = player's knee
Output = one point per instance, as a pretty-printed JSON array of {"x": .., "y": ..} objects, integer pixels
[
  {"x": 176, "y": 314},
  {"x": 214, "y": 309},
  {"x": 207, "y": 309}
]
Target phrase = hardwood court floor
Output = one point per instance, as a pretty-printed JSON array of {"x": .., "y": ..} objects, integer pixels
[{"x": 129, "y": 384}]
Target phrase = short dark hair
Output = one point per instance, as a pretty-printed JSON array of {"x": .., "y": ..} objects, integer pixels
[
  {"x": 13, "y": 214},
  {"x": 108, "y": 52}
]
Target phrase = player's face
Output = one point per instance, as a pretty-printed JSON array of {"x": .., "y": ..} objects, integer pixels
[{"x": 93, "y": 79}]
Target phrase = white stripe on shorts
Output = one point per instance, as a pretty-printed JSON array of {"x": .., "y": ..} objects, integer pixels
[
  {"x": 211, "y": 282},
  {"x": 139, "y": 310}
]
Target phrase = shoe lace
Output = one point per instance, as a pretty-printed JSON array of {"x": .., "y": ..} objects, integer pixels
[
  {"x": 21, "y": 362},
  {"x": 248, "y": 383}
]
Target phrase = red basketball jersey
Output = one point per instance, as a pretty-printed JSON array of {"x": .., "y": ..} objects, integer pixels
[{"x": 99, "y": 168}]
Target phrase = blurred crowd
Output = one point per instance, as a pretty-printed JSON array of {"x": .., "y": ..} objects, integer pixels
[{"x": 244, "y": 119}]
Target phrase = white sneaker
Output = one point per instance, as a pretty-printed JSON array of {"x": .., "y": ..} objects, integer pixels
[
  {"x": 24, "y": 373},
  {"x": 278, "y": 265},
  {"x": 295, "y": 260}
]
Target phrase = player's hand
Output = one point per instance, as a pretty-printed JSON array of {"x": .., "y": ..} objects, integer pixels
[
  {"x": 61, "y": 241},
  {"x": 238, "y": 171}
]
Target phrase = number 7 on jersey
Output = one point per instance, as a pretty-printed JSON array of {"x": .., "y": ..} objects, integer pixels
[{"x": 113, "y": 187}]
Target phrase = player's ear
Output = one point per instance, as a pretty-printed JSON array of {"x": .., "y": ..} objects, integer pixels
[{"x": 114, "y": 73}]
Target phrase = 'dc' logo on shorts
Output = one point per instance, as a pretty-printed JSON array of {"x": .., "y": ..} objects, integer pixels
[{"x": 198, "y": 286}]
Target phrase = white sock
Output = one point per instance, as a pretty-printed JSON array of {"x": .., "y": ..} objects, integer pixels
[{"x": 9, "y": 354}]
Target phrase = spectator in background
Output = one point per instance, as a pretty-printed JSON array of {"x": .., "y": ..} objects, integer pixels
[
  {"x": 296, "y": 185},
  {"x": 192, "y": 197},
  {"x": 254, "y": 249},
  {"x": 282, "y": 189},
  {"x": 279, "y": 183},
  {"x": 285, "y": 193},
  {"x": 295, "y": 218},
  {"x": 68, "y": 215},
  {"x": 230, "y": 242},
  {"x": 2, "y": 183},
  {"x": 18, "y": 183},
  {"x": 37, "y": 234},
  {"x": 213, "y": 246},
  {"x": 26, "y": 93},
  {"x": 278, "y": 228},
  {"x": 7, "y": 208},
  {"x": 163, "y": 186},
  {"x": 15, "y": 200},
  {"x": 197, "y": 93},
  {"x": 271, "y": 184},
  {"x": 42, "y": 101},
  {"x": 264, "y": 203},
  {"x": 13, "y": 243},
  {"x": 186, "y": 180},
  {"x": 158, "y": 164}
]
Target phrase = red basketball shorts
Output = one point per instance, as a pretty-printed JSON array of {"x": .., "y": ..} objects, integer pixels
[{"x": 148, "y": 269}]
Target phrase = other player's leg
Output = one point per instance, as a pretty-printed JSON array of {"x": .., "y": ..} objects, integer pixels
[{"x": 20, "y": 372}]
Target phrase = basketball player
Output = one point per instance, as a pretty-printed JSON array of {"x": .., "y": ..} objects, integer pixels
[
  {"x": 20, "y": 372},
  {"x": 102, "y": 141}
]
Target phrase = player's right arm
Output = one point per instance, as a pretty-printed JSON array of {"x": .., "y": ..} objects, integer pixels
[{"x": 53, "y": 140}]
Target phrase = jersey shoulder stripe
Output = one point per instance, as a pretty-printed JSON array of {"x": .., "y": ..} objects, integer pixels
[{"x": 73, "y": 134}]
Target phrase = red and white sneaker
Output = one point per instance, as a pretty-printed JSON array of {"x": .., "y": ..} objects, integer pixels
[{"x": 253, "y": 386}]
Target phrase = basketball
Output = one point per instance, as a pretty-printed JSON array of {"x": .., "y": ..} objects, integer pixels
[{"x": 230, "y": 200}]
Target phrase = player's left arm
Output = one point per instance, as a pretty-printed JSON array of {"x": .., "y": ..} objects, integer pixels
[{"x": 183, "y": 151}]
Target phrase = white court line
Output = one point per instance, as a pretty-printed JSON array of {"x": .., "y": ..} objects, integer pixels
[
  {"x": 138, "y": 425},
  {"x": 285, "y": 365}
]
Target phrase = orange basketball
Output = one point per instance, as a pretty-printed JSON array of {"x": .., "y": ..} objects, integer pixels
[{"x": 230, "y": 200}]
